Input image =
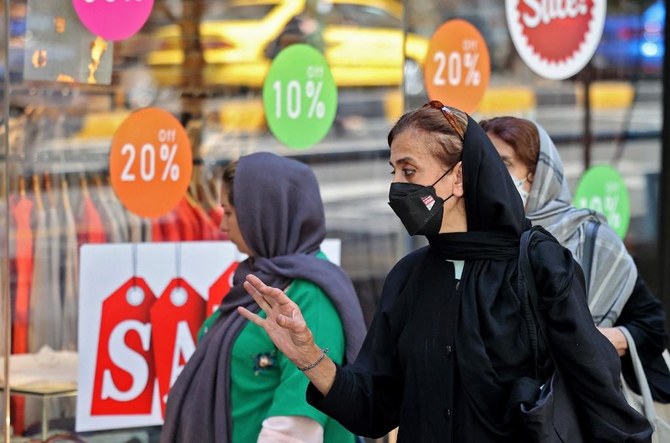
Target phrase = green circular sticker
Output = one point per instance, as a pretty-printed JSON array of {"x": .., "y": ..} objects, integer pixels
[
  {"x": 300, "y": 96},
  {"x": 602, "y": 189}
]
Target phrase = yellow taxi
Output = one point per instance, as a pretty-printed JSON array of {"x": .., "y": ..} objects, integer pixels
[{"x": 361, "y": 39}]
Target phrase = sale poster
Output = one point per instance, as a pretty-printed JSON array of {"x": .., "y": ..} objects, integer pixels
[{"x": 140, "y": 308}]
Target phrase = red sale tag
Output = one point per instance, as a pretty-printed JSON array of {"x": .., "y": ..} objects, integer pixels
[
  {"x": 220, "y": 288},
  {"x": 124, "y": 374},
  {"x": 175, "y": 318}
]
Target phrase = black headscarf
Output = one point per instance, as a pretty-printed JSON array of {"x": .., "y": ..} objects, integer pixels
[
  {"x": 281, "y": 218},
  {"x": 489, "y": 319}
]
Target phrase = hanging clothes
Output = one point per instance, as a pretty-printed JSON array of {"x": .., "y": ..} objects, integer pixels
[
  {"x": 45, "y": 303},
  {"x": 113, "y": 222},
  {"x": 208, "y": 230},
  {"x": 90, "y": 228},
  {"x": 135, "y": 227},
  {"x": 147, "y": 229},
  {"x": 189, "y": 228},
  {"x": 4, "y": 264},
  {"x": 216, "y": 215},
  {"x": 127, "y": 221},
  {"x": 70, "y": 273},
  {"x": 21, "y": 210},
  {"x": 56, "y": 240},
  {"x": 169, "y": 227}
]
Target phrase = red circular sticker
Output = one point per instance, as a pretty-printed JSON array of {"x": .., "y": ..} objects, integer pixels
[{"x": 556, "y": 39}]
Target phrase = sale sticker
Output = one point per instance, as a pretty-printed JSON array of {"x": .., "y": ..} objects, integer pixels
[
  {"x": 458, "y": 66},
  {"x": 125, "y": 320},
  {"x": 556, "y": 39},
  {"x": 602, "y": 189},
  {"x": 150, "y": 162},
  {"x": 175, "y": 319},
  {"x": 113, "y": 19},
  {"x": 300, "y": 96}
]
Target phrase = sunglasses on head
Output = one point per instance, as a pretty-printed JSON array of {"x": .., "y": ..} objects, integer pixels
[{"x": 449, "y": 115}]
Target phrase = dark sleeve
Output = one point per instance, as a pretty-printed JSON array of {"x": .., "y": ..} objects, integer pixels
[
  {"x": 586, "y": 359},
  {"x": 644, "y": 317},
  {"x": 366, "y": 395}
]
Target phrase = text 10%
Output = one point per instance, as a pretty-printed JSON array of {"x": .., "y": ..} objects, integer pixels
[{"x": 289, "y": 99}]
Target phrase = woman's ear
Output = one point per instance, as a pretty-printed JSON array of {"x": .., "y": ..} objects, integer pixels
[{"x": 458, "y": 180}]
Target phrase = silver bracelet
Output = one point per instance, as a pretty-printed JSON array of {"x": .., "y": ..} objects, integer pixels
[{"x": 318, "y": 360}]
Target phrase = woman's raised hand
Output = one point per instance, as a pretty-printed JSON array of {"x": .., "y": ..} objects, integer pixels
[{"x": 284, "y": 324}]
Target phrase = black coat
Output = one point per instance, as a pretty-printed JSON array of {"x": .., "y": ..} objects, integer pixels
[
  {"x": 406, "y": 374},
  {"x": 441, "y": 355}
]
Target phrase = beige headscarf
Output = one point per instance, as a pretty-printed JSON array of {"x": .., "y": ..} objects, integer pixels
[{"x": 613, "y": 272}]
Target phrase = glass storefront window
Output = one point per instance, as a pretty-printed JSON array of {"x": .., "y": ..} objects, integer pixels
[{"x": 66, "y": 92}]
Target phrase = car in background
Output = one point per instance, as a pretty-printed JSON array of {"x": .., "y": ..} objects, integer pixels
[
  {"x": 361, "y": 39},
  {"x": 632, "y": 45}
]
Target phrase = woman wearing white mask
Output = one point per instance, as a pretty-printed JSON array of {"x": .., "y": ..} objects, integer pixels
[{"x": 617, "y": 295}]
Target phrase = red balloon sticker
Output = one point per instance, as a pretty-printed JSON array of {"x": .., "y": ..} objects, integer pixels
[{"x": 555, "y": 38}]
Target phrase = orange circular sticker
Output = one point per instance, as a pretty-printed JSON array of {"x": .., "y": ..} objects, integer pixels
[
  {"x": 457, "y": 67},
  {"x": 150, "y": 162}
]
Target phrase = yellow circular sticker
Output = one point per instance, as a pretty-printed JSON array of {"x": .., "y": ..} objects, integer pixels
[
  {"x": 457, "y": 67},
  {"x": 150, "y": 162}
]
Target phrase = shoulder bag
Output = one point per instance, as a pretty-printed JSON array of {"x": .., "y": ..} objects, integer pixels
[
  {"x": 657, "y": 413},
  {"x": 550, "y": 415}
]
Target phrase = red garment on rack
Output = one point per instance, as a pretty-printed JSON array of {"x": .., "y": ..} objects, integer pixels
[
  {"x": 22, "y": 213},
  {"x": 21, "y": 210},
  {"x": 208, "y": 230},
  {"x": 170, "y": 227},
  {"x": 216, "y": 215},
  {"x": 156, "y": 233},
  {"x": 187, "y": 221},
  {"x": 90, "y": 229}
]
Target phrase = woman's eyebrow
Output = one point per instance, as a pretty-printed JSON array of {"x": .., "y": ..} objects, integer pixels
[{"x": 401, "y": 161}]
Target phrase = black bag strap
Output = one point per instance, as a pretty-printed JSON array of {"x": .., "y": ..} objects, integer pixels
[
  {"x": 590, "y": 234},
  {"x": 533, "y": 298},
  {"x": 526, "y": 310}
]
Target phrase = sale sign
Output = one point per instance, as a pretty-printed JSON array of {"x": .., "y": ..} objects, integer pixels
[
  {"x": 300, "y": 96},
  {"x": 458, "y": 66},
  {"x": 113, "y": 19},
  {"x": 556, "y": 38},
  {"x": 140, "y": 309},
  {"x": 150, "y": 162}
]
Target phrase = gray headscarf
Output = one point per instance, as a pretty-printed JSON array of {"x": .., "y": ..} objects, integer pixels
[
  {"x": 281, "y": 217},
  {"x": 613, "y": 271}
]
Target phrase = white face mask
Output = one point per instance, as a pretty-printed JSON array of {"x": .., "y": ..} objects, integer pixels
[{"x": 518, "y": 182}]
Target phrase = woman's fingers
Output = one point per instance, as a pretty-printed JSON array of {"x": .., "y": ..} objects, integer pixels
[
  {"x": 270, "y": 294},
  {"x": 294, "y": 324},
  {"x": 250, "y": 316}
]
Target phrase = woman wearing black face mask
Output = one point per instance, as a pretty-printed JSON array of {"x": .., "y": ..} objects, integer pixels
[{"x": 448, "y": 342}]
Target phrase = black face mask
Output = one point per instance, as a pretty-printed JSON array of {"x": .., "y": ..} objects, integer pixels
[{"x": 418, "y": 207}]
